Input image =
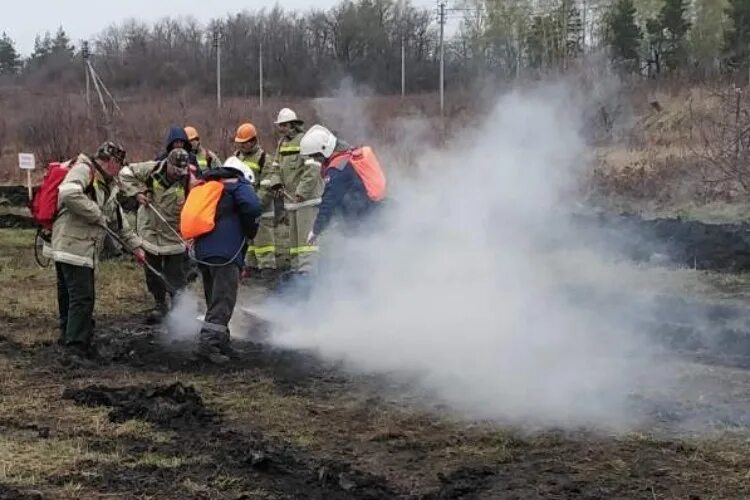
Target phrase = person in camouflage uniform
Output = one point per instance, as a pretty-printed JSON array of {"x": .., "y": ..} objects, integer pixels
[{"x": 160, "y": 188}]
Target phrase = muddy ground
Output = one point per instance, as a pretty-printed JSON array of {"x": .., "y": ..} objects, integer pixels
[{"x": 150, "y": 421}]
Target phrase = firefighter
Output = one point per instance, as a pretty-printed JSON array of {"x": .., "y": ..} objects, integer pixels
[
  {"x": 88, "y": 203},
  {"x": 204, "y": 157},
  {"x": 160, "y": 188},
  {"x": 302, "y": 187},
  {"x": 220, "y": 254},
  {"x": 261, "y": 255},
  {"x": 354, "y": 181}
]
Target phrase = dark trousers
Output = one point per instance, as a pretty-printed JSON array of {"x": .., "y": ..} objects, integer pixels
[
  {"x": 220, "y": 289},
  {"x": 75, "y": 301},
  {"x": 172, "y": 267}
]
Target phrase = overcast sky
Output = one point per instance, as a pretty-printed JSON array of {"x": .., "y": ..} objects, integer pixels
[{"x": 23, "y": 19}]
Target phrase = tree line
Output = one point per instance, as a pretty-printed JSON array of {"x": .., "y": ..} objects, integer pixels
[{"x": 304, "y": 54}]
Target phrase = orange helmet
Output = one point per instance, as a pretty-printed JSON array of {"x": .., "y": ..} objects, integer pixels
[
  {"x": 245, "y": 132},
  {"x": 192, "y": 133}
]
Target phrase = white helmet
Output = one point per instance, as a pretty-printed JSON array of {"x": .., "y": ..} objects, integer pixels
[
  {"x": 286, "y": 115},
  {"x": 317, "y": 140},
  {"x": 237, "y": 164}
]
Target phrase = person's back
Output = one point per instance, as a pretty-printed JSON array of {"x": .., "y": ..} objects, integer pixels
[
  {"x": 220, "y": 254},
  {"x": 236, "y": 212},
  {"x": 346, "y": 197}
]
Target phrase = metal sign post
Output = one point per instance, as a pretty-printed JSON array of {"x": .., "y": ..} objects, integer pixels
[{"x": 26, "y": 162}]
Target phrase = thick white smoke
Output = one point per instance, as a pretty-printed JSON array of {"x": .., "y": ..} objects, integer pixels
[{"x": 478, "y": 284}]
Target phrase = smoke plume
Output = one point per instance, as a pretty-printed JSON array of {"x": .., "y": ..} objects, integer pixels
[{"x": 478, "y": 284}]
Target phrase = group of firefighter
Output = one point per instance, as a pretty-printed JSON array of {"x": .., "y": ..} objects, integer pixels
[{"x": 258, "y": 215}]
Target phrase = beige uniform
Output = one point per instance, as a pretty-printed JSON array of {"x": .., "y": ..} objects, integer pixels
[
  {"x": 84, "y": 202},
  {"x": 158, "y": 237},
  {"x": 303, "y": 186}
]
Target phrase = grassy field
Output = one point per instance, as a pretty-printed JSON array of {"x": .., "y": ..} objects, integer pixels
[{"x": 283, "y": 425}]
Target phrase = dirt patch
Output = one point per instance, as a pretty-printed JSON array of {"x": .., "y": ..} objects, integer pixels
[
  {"x": 174, "y": 404},
  {"x": 689, "y": 243},
  {"x": 144, "y": 346},
  {"x": 233, "y": 463},
  {"x": 465, "y": 481},
  {"x": 16, "y": 196},
  {"x": 15, "y": 221}
]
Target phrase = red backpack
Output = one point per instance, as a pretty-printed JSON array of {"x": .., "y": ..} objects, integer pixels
[{"x": 44, "y": 202}]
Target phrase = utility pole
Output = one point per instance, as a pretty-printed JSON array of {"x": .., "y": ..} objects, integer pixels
[
  {"x": 584, "y": 8},
  {"x": 442, "y": 58},
  {"x": 217, "y": 44},
  {"x": 85, "y": 54},
  {"x": 518, "y": 52},
  {"x": 403, "y": 68},
  {"x": 260, "y": 73}
]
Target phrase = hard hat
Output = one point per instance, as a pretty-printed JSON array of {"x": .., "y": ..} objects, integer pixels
[
  {"x": 237, "y": 164},
  {"x": 179, "y": 158},
  {"x": 286, "y": 115},
  {"x": 192, "y": 133},
  {"x": 111, "y": 151},
  {"x": 317, "y": 140},
  {"x": 245, "y": 132}
]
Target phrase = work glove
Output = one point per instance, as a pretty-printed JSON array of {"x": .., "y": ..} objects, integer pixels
[
  {"x": 140, "y": 255},
  {"x": 312, "y": 238}
]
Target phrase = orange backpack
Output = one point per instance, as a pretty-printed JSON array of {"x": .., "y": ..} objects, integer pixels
[
  {"x": 368, "y": 169},
  {"x": 198, "y": 215}
]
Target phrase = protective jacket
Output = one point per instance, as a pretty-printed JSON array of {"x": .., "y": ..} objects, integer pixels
[
  {"x": 344, "y": 196},
  {"x": 206, "y": 159},
  {"x": 263, "y": 168},
  {"x": 150, "y": 178},
  {"x": 236, "y": 219},
  {"x": 86, "y": 200},
  {"x": 300, "y": 180}
]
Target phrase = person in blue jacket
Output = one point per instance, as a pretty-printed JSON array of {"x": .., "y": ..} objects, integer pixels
[
  {"x": 177, "y": 138},
  {"x": 221, "y": 255},
  {"x": 345, "y": 194}
]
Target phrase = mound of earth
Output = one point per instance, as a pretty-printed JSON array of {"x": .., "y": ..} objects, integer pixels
[{"x": 172, "y": 405}]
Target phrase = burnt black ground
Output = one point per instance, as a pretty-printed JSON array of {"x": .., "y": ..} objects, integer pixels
[{"x": 240, "y": 460}]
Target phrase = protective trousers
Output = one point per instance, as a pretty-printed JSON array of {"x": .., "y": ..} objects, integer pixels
[
  {"x": 75, "y": 300},
  {"x": 264, "y": 243},
  {"x": 220, "y": 285},
  {"x": 173, "y": 268},
  {"x": 301, "y": 222},
  {"x": 282, "y": 242}
]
